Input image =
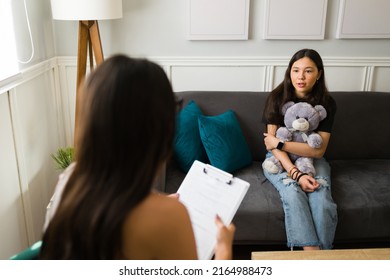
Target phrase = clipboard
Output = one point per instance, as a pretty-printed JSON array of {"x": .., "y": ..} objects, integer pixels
[{"x": 207, "y": 191}]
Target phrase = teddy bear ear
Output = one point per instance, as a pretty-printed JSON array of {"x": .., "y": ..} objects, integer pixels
[
  {"x": 286, "y": 106},
  {"x": 321, "y": 111}
]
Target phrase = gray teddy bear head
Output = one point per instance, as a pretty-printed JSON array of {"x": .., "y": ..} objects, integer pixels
[{"x": 302, "y": 116}]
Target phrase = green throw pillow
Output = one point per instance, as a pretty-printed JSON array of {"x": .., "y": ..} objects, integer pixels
[
  {"x": 224, "y": 141},
  {"x": 188, "y": 146}
]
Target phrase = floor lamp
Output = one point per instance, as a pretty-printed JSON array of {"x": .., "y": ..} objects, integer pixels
[{"x": 87, "y": 12}]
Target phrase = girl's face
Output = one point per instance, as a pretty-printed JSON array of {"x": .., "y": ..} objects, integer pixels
[{"x": 304, "y": 74}]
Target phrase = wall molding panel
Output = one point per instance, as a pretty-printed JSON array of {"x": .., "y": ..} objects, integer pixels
[
  {"x": 361, "y": 19},
  {"x": 282, "y": 22},
  {"x": 217, "y": 19},
  {"x": 261, "y": 73},
  {"x": 271, "y": 70},
  {"x": 240, "y": 74},
  {"x": 31, "y": 129}
]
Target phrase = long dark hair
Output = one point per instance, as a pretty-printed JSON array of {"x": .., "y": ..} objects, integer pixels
[
  {"x": 285, "y": 91},
  {"x": 126, "y": 133}
]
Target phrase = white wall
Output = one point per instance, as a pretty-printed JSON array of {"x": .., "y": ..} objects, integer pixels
[
  {"x": 31, "y": 128},
  {"x": 13, "y": 230},
  {"x": 157, "y": 28}
]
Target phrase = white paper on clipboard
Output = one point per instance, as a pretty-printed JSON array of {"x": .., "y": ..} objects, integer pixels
[{"x": 207, "y": 191}]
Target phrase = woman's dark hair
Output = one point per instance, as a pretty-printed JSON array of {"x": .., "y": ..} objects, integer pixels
[
  {"x": 127, "y": 124},
  {"x": 285, "y": 91}
]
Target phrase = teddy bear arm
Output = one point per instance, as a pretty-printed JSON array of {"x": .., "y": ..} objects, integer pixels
[
  {"x": 314, "y": 140},
  {"x": 284, "y": 134},
  {"x": 305, "y": 165}
]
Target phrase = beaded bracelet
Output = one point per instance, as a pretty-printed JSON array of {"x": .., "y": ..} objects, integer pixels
[
  {"x": 295, "y": 174},
  {"x": 291, "y": 169},
  {"x": 300, "y": 175}
]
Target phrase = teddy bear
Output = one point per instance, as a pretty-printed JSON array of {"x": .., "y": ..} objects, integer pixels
[{"x": 300, "y": 119}]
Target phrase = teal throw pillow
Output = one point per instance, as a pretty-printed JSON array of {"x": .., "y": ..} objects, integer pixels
[
  {"x": 188, "y": 146},
  {"x": 224, "y": 141}
]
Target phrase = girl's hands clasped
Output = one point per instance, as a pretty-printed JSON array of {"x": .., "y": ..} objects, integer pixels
[{"x": 308, "y": 183}]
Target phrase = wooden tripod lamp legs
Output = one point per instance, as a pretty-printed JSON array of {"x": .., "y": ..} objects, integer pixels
[{"x": 89, "y": 42}]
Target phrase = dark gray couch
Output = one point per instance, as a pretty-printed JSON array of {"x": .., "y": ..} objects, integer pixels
[{"x": 359, "y": 154}]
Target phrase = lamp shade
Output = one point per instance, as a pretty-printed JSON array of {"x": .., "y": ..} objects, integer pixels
[{"x": 86, "y": 9}]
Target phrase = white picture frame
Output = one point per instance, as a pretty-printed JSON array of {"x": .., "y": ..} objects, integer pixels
[
  {"x": 363, "y": 19},
  {"x": 217, "y": 19},
  {"x": 284, "y": 19}
]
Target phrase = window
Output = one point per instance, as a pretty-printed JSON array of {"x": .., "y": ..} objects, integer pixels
[{"x": 8, "y": 57}]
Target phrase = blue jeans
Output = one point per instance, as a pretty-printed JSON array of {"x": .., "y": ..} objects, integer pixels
[{"x": 310, "y": 218}]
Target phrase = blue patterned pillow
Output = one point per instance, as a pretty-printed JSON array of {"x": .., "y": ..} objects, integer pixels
[
  {"x": 188, "y": 145},
  {"x": 224, "y": 141}
]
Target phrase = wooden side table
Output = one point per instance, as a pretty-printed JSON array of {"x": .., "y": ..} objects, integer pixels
[{"x": 340, "y": 254}]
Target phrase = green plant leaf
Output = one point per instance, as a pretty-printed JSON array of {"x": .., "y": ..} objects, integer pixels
[{"x": 63, "y": 157}]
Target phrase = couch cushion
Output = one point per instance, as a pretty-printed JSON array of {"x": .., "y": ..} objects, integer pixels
[
  {"x": 188, "y": 145},
  {"x": 360, "y": 129},
  {"x": 361, "y": 190},
  {"x": 244, "y": 104},
  {"x": 260, "y": 217},
  {"x": 224, "y": 142}
]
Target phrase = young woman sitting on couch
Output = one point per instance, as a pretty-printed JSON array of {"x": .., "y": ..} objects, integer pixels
[{"x": 310, "y": 212}]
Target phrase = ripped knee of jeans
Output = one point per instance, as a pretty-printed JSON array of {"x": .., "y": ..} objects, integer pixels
[
  {"x": 323, "y": 181},
  {"x": 288, "y": 181}
]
